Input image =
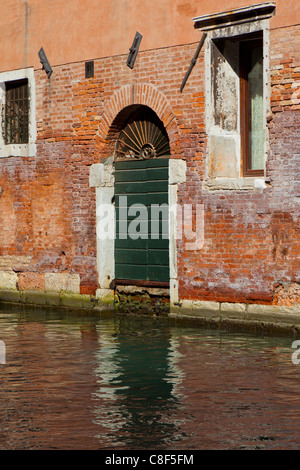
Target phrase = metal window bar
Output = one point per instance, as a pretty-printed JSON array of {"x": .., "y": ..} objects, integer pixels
[{"x": 16, "y": 112}]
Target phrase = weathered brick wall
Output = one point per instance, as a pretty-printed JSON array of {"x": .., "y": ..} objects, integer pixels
[
  {"x": 252, "y": 238},
  {"x": 48, "y": 209}
]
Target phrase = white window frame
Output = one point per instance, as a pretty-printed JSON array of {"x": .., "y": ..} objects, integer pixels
[
  {"x": 19, "y": 150},
  {"x": 240, "y": 22}
]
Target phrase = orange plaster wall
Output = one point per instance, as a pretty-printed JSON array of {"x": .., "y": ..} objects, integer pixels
[{"x": 76, "y": 30}]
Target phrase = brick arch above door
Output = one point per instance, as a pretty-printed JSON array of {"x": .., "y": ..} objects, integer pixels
[{"x": 129, "y": 96}]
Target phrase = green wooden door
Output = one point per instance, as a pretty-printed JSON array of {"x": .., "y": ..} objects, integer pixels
[{"x": 141, "y": 201}]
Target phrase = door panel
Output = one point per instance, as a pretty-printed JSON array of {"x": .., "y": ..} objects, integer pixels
[{"x": 143, "y": 182}]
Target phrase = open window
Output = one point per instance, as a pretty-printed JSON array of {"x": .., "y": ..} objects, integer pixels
[
  {"x": 252, "y": 107},
  {"x": 237, "y": 95}
]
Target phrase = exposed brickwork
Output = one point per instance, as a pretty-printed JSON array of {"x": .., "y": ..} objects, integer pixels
[
  {"x": 14, "y": 263},
  {"x": 31, "y": 281},
  {"x": 128, "y": 96},
  {"x": 252, "y": 238},
  {"x": 287, "y": 294},
  {"x": 285, "y": 69},
  {"x": 48, "y": 209}
]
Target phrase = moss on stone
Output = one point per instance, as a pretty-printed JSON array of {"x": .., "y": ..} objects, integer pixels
[
  {"x": 76, "y": 300},
  {"x": 9, "y": 295},
  {"x": 33, "y": 297}
]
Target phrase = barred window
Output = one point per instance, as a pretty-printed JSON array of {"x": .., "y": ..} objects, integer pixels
[{"x": 16, "y": 112}]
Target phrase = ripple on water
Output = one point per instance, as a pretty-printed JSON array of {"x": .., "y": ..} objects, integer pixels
[{"x": 128, "y": 383}]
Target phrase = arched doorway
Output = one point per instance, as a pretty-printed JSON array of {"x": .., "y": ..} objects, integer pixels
[{"x": 141, "y": 200}]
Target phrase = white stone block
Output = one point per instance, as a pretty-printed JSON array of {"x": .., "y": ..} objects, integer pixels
[
  {"x": 101, "y": 175},
  {"x": 62, "y": 282},
  {"x": 177, "y": 171},
  {"x": 8, "y": 280}
]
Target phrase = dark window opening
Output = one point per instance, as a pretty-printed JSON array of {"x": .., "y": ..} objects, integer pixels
[
  {"x": 89, "y": 69},
  {"x": 16, "y": 112},
  {"x": 251, "y": 106}
]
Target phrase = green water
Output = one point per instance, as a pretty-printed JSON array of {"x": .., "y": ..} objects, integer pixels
[{"x": 71, "y": 382}]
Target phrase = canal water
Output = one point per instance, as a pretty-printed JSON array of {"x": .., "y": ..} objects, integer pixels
[{"x": 123, "y": 383}]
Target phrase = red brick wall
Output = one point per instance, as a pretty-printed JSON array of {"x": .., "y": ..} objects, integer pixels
[
  {"x": 48, "y": 209},
  {"x": 252, "y": 238}
]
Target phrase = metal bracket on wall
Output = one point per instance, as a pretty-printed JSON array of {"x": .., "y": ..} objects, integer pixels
[
  {"x": 134, "y": 50},
  {"x": 44, "y": 61},
  {"x": 193, "y": 61}
]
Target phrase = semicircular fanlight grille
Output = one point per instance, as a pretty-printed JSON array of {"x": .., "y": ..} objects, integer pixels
[{"x": 143, "y": 136}]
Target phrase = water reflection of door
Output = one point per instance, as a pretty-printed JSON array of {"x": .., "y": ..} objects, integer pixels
[{"x": 141, "y": 391}]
